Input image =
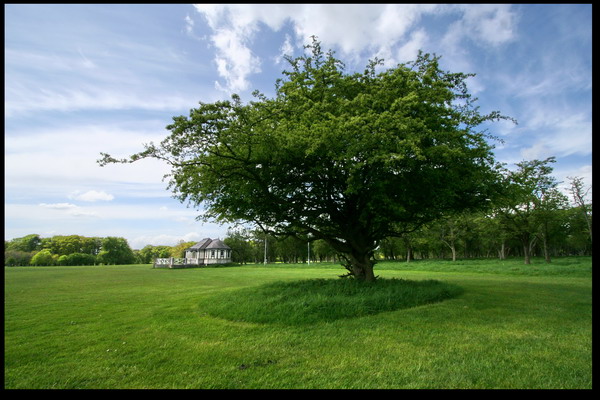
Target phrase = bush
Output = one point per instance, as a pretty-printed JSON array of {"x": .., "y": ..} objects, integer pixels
[
  {"x": 13, "y": 258},
  {"x": 77, "y": 259},
  {"x": 44, "y": 257}
]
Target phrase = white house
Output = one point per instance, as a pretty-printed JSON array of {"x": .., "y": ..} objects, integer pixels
[
  {"x": 205, "y": 252},
  {"x": 208, "y": 251}
]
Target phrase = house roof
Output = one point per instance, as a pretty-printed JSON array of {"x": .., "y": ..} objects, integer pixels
[
  {"x": 217, "y": 244},
  {"x": 201, "y": 244},
  {"x": 208, "y": 243}
]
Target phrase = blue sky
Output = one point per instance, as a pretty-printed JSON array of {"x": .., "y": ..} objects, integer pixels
[{"x": 85, "y": 79}]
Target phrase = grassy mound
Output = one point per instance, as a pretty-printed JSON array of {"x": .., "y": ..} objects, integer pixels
[{"x": 318, "y": 300}]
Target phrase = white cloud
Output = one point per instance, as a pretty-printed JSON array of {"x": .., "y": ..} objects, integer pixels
[
  {"x": 286, "y": 49},
  {"x": 353, "y": 28},
  {"x": 108, "y": 212},
  {"x": 69, "y": 209},
  {"x": 91, "y": 196},
  {"x": 568, "y": 137},
  {"x": 189, "y": 25},
  {"x": 235, "y": 61},
  {"x": 490, "y": 24},
  {"x": 24, "y": 98},
  {"x": 59, "y": 206},
  {"x": 409, "y": 50},
  {"x": 119, "y": 74},
  {"x": 69, "y": 157}
]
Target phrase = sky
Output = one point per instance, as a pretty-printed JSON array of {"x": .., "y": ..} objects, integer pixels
[{"x": 91, "y": 78}]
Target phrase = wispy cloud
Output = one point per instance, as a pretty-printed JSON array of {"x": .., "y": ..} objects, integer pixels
[
  {"x": 52, "y": 161},
  {"x": 26, "y": 97},
  {"x": 117, "y": 73},
  {"x": 91, "y": 196},
  {"x": 69, "y": 209},
  {"x": 561, "y": 135}
]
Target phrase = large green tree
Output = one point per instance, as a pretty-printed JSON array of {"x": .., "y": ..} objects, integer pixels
[{"x": 349, "y": 158}]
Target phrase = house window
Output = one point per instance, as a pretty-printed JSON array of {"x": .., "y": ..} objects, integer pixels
[
  {"x": 222, "y": 253},
  {"x": 212, "y": 254}
]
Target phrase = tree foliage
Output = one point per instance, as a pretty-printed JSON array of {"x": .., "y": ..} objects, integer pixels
[
  {"x": 530, "y": 201},
  {"x": 115, "y": 250},
  {"x": 579, "y": 193},
  {"x": 44, "y": 257},
  {"x": 348, "y": 158},
  {"x": 26, "y": 243}
]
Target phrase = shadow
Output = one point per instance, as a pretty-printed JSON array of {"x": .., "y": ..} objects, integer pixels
[{"x": 324, "y": 300}]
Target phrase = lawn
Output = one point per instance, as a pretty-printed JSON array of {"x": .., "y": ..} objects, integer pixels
[{"x": 468, "y": 324}]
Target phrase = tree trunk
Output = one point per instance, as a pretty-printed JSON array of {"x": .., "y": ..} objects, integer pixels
[
  {"x": 362, "y": 268},
  {"x": 545, "y": 242},
  {"x": 526, "y": 253},
  {"x": 357, "y": 256},
  {"x": 502, "y": 251},
  {"x": 452, "y": 248},
  {"x": 528, "y": 245},
  {"x": 546, "y": 252},
  {"x": 409, "y": 254}
]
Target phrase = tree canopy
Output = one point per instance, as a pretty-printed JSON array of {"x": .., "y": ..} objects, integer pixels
[{"x": 349, "y": 158}]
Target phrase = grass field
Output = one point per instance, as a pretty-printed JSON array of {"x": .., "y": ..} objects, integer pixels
[{"x": 430, "y": 324}]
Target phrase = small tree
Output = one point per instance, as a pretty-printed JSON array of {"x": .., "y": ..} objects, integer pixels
[
  {"x": 347, "y": 158},
  {"x": 43, "y": 257}
]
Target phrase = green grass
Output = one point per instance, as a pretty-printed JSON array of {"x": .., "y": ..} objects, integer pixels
[
  {"x": 321, "y": 300},
  {"x": 476, "y": 324}
]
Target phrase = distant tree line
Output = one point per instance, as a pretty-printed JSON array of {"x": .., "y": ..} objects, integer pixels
[
  {"x": 562, "y": 232},
  {"x": 67, "y": 250},
  {"x": 534, "y": 219},
  {"x": 80, "y": 250},
  {"x": 253, "y": 246}
]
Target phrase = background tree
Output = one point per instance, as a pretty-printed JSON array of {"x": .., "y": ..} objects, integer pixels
[
  {"x": 524, "y": 206},
  {"x": 322, "y": 251},
  {"x": 90, "y": 245},
  {"x": 13, "y": 258},
  {"x": 179, "y": 249},
  {"x": 115, "y": 250},
  {"x": 44, "y": 257},
  {"x": 449, "y": 231},
  {"x": 241, "y": 249},
  {"x": 391, "y": 248},
  {"x": 26, "y": 243},
  {"x": 576, "y": 239},
  {"x": 291, "y": 249},
  {"x": 549, "y": 204},
  {"x": 579, "y": 193},
  {"x": 347, "y": 158},
  {"x": 76, "y": 259},
  {"x": 148, "y": 253}
]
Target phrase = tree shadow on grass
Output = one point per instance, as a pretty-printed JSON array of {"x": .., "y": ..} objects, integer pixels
[{"x": 324, "y": 300}]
